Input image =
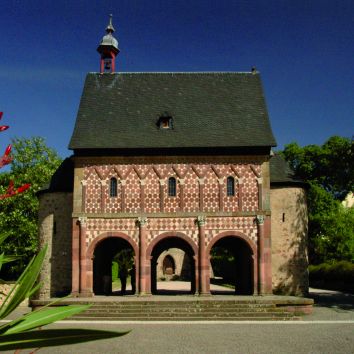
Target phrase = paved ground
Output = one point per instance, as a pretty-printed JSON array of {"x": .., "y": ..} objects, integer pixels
[{"x": 330, "y": 329}]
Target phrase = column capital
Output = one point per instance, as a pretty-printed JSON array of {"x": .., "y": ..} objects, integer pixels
[
  {"x": 260, "y": 219},
  {"x": 181, "y": 181},
  {"x": 103, "y": 182},
  {"x": 201, "y": 220},
  {"x": 82, "y": 220},
  {"x": 122, "y": 182},
  {"x": 201, "y": 180},
  {"x": 84, "y": 182},
  {"x": 259, "y": 180},
  {"x": 221, "y": 180},
  {"x": 142, "y": 182},
  {"x": 162, "y": 182},
  {"x": 142, "y": 221},
  {"x": 240, "y": 180}
]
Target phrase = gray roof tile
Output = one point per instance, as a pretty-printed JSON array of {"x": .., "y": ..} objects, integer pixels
[{"x": 121, "y": 110}]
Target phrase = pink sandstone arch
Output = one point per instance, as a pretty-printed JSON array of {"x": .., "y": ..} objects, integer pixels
[
  {"x": 91, "y": 249},
  {"x": 249, "y": 242},
  {"x": 236, "y": 234},
  {"x": 168, "y": 234}
]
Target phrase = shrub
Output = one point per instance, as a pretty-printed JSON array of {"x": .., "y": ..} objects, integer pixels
[{"x": 334, "y": 276}]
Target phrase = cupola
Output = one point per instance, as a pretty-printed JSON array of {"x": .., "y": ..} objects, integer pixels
[{"x": 108, "y": 49}]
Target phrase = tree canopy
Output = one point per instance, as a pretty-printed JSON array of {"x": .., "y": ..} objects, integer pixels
[
  {"x": 33, "y": 162},
  {"x": 329, "y": 171}
]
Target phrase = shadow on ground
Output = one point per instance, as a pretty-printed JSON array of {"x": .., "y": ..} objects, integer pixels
[{"x": 333, "y": 299}]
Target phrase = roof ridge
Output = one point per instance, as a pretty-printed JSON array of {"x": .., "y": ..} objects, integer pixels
[{"x": 176, "y": 72}]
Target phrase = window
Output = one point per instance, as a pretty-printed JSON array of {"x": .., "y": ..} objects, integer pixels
[
  {"x": 165, "y": 121},
  {"x": 172, "y": 187},
  {"x": 230, "y": 187},
  {"x": 113, "y": 187}
]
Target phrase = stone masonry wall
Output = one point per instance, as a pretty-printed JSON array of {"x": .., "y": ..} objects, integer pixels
[
  {"x": 144, "y": 188},
  {"x": 55, "y": 230},
  {"x": 289, "y": 241}
]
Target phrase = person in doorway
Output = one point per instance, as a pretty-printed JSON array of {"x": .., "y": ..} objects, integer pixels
[
  {"x": 132, "y": 278},
  {"x": 123, "y": 275}
]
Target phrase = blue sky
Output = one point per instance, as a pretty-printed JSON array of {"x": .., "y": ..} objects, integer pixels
[{"x": 303, "y": 49}]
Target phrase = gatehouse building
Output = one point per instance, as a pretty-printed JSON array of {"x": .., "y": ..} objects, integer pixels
[{"x": 173, "y": 161}]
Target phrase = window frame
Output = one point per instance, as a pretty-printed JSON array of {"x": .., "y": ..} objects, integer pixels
[
  {"x": 113, "y": 187},
  {"x": 172, "y": 187},
  {"x": 230, "y": 186}
]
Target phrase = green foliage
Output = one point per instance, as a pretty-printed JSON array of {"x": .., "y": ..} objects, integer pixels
[
  {"x": 329, "y": 171},
  {"x": 19, "y": 334},
  {"x": 125, "y": 260},
  {"x": 34, "y": 163},
  {"x": 114, "y": 271},
  {"x": 334, "y": 275},
  {"x": 329, "y": 165}
]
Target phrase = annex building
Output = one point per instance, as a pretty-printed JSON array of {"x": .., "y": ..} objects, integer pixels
[{"x": 173, "y": 161}]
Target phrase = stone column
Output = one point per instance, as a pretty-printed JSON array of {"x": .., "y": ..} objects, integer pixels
[
  {"x": 82, "y": 264},
  {"x": 162, "y": 194},
  {"x": 122, "y": 205},
  {"x": 221, "y": 194},
  {"x": 261, "y": 265},
  {"x": 83, "y": 195},
  {"x": 75, "y": 287},
  {"x": 260, "y": 193},
  {"x": 203, "y": 269},
  {"x": 143, "y": 276},
  {"x": 240, "y": 195},
  {"x": 181, "y": 194},
  {"x": 201, "y": 193},
  {"x": 104, "y": 194},
  {"x": 142, "y": 195}
]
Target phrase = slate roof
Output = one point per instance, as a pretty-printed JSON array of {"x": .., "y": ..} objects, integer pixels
[
  {"x": 281, "y": 173},
  {"x": 62, "y": 179},
  {"x": 121, "y": 111}
]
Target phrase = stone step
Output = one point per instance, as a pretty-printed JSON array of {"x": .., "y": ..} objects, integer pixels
[
  {"x": 192, "y": 318},
  {"x": 183, "y": 309}
]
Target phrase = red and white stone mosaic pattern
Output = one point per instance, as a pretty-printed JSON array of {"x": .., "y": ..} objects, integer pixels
[
  {"x": 143, "y": 191},
  {"x": 157, "y": 226},
  {"x": 96, "y": 227}
]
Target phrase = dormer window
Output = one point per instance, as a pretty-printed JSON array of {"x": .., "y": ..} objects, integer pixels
[{"x": 165, "y": 121}]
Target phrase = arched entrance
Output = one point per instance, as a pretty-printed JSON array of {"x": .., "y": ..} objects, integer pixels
[
  {"x": 113, "y": 259},
  {"x": 185, "y": 282},
  {"x": 232, "y": 262}
]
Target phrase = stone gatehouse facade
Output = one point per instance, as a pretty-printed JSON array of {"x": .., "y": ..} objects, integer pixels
[{"x": 172, "y": 160}]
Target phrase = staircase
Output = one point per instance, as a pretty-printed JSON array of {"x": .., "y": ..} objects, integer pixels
[{"x": 184, "y": 310}]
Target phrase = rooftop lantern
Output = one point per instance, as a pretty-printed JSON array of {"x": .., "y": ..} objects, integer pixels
[{"x": 108, "y": 49}]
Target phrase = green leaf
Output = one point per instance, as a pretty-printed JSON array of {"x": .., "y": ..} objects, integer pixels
[
  {"x": 54, "y": 337},
  {"x": 42, "y": 318},
  {"x": 24, "y": 284},
  {"x": 3, "y": 237}
]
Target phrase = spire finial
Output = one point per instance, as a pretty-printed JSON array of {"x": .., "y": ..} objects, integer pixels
[{"x": 110, "y": 28}]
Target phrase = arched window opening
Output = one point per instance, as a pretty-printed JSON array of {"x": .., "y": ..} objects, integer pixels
[
  {"x": 172, "y": 187},
  {"x": 168, "y": 265},
  {"x": 230, "y": 186},
  {"x": 113, "y": 187}
]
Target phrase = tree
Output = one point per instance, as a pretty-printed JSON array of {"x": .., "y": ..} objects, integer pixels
[
  {"x": 18, "y": 333},
  {"x": 329, "y": 171},
  {"x": 33, "y": 162}
]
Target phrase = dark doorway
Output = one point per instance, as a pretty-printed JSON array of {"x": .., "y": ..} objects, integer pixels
[
  {"x": 168, "y": 266},
  {"x": 185, "y": 282},
  {"x": 232, "y": 264},
  {"x": 104, "y": 258}
]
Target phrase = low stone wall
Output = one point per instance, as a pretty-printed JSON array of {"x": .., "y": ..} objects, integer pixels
[{"x": 5, "y": 288}]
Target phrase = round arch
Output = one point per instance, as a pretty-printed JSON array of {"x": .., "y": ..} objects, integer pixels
[
  {"x": 95, "y": 243},
  {"x": 236, "y": 234},
  {"x": 246, "y": 260},
  {"x": 105, "y": 235},
  {"x": 167, "y": 235},
  {"x": 168, "y": 240}
]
